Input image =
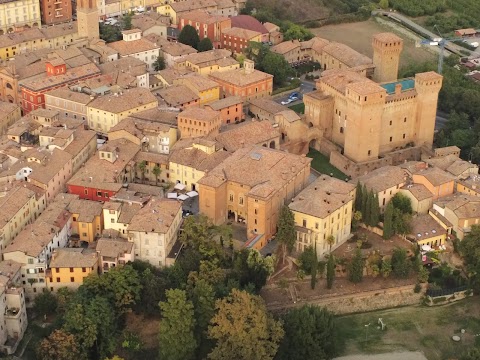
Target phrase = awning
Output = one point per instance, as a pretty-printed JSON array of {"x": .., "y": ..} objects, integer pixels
[
  {"x": 179, "y": 186},
  {"x": 182, "y": 197},
  {"x": 171, "y": 195},
  {"x": 192, "y": 193}
]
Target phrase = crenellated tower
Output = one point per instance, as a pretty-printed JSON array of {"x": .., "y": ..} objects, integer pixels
[
  {"x": 87, "y": 17},
  {"x": 387, "y": 48}
]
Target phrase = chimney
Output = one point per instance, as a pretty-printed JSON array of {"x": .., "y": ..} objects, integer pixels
[{"x": 398, "y": 89}]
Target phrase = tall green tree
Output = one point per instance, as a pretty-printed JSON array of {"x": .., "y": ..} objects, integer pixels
[
  {"x": 286, "y": 235},
  {"x": 310, "y": 333},
  {"x": 388, "y": 230},
  {"x": 127, "y": 21},
  {"x": 403, "y": 203},
  {"x": 470, "y": 250},
  {"x": 386, "y": 268},
  {"x": 307, "y": 259},
  {"x": 374, "y": 210},
  {"x": 189, "y": 36},
  {"x": 59, "y": 345},
  {"x": 358, "y": 197},
  {"x": 313, "y": 279},
  {"x": 159, "y": 64},
  {"x": 156, "y": 172},
  {"x": 364, "y": 202},
  {"x": 296, "y": 32},
  {"x": 243, "y": 328},
  {"x": 330, "y": 271},
  {"x": 205, "y": 45},
  {"x": 401, "y": 264},
  {"x": 276, "y": 65},
  {"x": 367, "y": 216},
  {"x": 176, "y": 337},
  {"x": 355, "y": 267},
  {"x": 45, "y": 303}
]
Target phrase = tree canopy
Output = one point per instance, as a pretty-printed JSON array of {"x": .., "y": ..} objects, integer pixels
[
  {"x": 189, "y": 36},
  {"x": 310, "y": 333},
  {"x": 286, "y": 235},
  {"x": 204, "y": 45},
  {"x": 243, "y": 329}
]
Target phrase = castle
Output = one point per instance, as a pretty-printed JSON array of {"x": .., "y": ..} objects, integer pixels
[{"x": 364, "y": 120}]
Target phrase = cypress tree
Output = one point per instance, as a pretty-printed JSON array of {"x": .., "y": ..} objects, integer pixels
[
  {"x": 367, "y": 216},
  {"x": 374, "y": 210},
  {"x": 358, "y": 198},
  {"x": 364, "y": 201},
  {"x": 388, "y": 221}
]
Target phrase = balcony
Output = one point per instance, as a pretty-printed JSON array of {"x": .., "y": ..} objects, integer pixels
[{"x": 12, "y": 313}]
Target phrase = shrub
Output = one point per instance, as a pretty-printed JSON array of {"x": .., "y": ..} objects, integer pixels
[{"x": 417, "y": 288}]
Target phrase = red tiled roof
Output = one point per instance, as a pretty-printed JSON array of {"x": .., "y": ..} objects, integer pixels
[{"x": 248, "y": 22}]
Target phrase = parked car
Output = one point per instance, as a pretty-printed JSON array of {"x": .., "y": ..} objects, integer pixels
[
  {"x": 286, "y": 102},
  {"x": 293, "y": 98},
  {"x": 293, "y": 95}
]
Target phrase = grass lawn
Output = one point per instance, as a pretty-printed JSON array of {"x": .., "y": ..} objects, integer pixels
[
  {"x": 298, "y": 108},
  {"x": 321, "y": 164},
  {"x": 426, "y": 329}
]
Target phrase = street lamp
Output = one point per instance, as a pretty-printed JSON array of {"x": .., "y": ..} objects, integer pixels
[{"x": 366, "y": 331}]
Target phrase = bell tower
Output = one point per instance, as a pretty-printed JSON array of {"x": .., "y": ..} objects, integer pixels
[
  {"x": 387, "y": 48},
  {"x": 87, "y": 16}
]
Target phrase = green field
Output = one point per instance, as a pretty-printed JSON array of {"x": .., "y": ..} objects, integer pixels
[
  {"x": 427, "y": 329},
  {"x": 298, "y": 108},
  {"x": 321, "y": 164}
]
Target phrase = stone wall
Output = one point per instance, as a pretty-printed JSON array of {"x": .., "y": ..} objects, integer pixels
[{"x": 365, "y": 301}]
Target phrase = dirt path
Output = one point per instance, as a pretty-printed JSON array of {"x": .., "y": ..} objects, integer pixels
[{"x": 388, "y": 356}]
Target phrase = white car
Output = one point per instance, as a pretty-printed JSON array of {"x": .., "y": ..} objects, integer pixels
[{"x": 286, "y": 102}]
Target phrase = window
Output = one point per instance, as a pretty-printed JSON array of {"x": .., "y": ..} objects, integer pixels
[
  {"x": 369, "y": 152},
  {"x": 57, "y": 270},
  {"x": 390, "y": 122},
  {"x": 72, "y": 279},
  {"x": 404, "y": 136},
  {"x": 112, "y": 220},
  {"x": 391, "y": 138},
  {"x": 304, "y": 223},
  {"x": 316, "y": 226},
  {"x": 256, "y": 211},
  {"x": 58, "y": 279},
  {"x": 240, "y": 200},
  {"x": 85, "y": 192},
  {"x": 74, "y": 218},
  {"x": 71, "y": 269},
  {"x": 84, "y": 269}
]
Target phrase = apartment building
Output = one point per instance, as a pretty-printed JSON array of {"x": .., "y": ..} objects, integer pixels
[
  {"x": 55, "y": 11},
  {"x": 19, "y": 15},
  {"x": 113, "y": 251},
  {"x": 206, "y": 89},
  {"x": 133, "y": 45},
  {"x": 193, "y": 122},
  {"x": 207, "y": 62},
  {"x": 68, "y": 102},
  {"x": 106, "y": 111},
  {"x": 323, "y": 209},
  {"x": 9, "y": 114},
  {"x": 154, "y": 230},
  {"x": 207, "y": 25},
  {"x": 236, "y": 39}
]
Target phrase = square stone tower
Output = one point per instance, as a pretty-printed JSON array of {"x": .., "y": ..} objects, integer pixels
[
  {"x": 387, "y": 48},
  {"x": 87, "y": 16}
]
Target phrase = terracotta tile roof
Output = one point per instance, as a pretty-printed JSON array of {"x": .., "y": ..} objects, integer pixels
[
  {"x": 87, "y": 210},
  {"x": 387, "y": 37},
  {"x": 197, "y": 82},
  {"x": 241, "y": 33},
  {"x": 340, "y": 79},
  {"x": 9, "y": 268},
  {"x": 428, "y": 76},
  {"x": 285, "y": 47},
  {"x": 113, "y": 248},
  {"x": 268, "y": 105},
  {"x": 203, "y": 17},
  {"x": 444, "y": 151},
  {"x": 130, "y": 99},
  {"x": 127, "y": 211},
  {"x": 145, "y": 22},
  {"x": 158, "y": 115},
  {"x": 151, "y": 157},
  {"x": 225, "y": 103},
  {"x": 383, "y": 178},
  {"x": 318, "y": 95},
  {"x": 73, "y": 258},
  {"x": 435, "y": 176},
  {"x": 346, "y": 54},
  {"x": 67, "y": 94},
  {"x": 52, "y": 32},
  {"x": 199, "y": 114},
  {"x": 320, "y": 200},
  {"x": 157, "y": 216},
  {"x": 452, "y": 164},
  {"x": 239, "y": 77},
  {"x": 197, "y": 159},
  {"x": 366, "y": 87},
  {"x": 71, "y": 75},
  {"x": 248, "y": 22},
  {"x": 12, "y": 201},
  {"x": 81, "y": 139},
  {"x": 271, "y": 27},
  {"x": 425, "y": 226},
  {"x": 419, "y": 191},
  {"x": 464, "y": 206},
  {"x": 7, "y": 108},
  {"x": 171, "y": 74},
  {"x": 251, "y": 133},
  {"x": 127, "y": 64},
  {"x": 207, "y": 58},
  {"x": 189, "y": 5},
  {"x": 8, "y": 40},
  {"x": 224, "y": 4},
  {"x": 177, "y": 95},
  {"x": 263, "y": 170},
  {"x": 169, "y": 47},
  {"x": 55, "y": 161},
  {"x": 99, "y": 173},
  {"x": 125, "y": 48}
]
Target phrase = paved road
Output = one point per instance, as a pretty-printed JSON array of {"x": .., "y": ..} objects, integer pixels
[
  {"x": 410, "y": 355},
  {"x": 420, "y": 30},
  {"x": 305, "y": 87}
]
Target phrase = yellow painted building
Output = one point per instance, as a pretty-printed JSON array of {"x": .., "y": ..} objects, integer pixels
[
  {"x": 87, "y": 219},
  {"x": 70, "y": 266},
  {"x": 53, "y": 37},
  {"x": 206, "y": 89},
  {"x": 107, "y": 111},
  {"x": 175, "y": 9},
  {"x": 187, "y": 166},
  {"x": 207, "y": 62},
  {"x": 152, "y": 161},
  {"x": 470, "y": 186},
  {"x": 427, "y": 231},
  {"x": 9, "y": 114},
  {"x": 19, "y": 15},
  {"x": 438, "y": 182},
  {"x": 323, "y": 209}
]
